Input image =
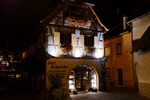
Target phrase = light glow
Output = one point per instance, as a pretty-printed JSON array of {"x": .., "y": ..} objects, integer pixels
[
  {"x": 93, "y": 81},
  {"x": 78, "y": 52},
  {"x": 52, "y": 51},
  {"x": 71, "y": 85},
  {"x": 99, "y": 53}
]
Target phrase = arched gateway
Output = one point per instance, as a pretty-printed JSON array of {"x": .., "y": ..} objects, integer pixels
[
  {"x": 83, "y": 78},
  {"x": 67, "y": 75}
]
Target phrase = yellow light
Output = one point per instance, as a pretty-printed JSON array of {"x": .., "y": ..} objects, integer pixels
[{"x": 18, "y": 75}]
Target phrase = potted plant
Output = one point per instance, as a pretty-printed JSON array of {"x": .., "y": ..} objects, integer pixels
[{"x": 66, "y": 48}]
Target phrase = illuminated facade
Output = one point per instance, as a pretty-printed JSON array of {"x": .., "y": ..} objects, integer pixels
[{"x": 73, "y": 41}]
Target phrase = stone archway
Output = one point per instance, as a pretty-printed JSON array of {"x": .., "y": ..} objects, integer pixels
[
  {"x": 63, "y": 68},
  {"x": 83, "y": 78}
]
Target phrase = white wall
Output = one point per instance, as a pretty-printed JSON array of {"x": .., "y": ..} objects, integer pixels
[
  {"x": 142, "y": 60},
  {"x": 140, "y": 25}
]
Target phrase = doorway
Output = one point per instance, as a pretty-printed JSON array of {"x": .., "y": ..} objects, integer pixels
[
  {"x": 120, "y": 76},
  {"x": 83, "y": 78}
]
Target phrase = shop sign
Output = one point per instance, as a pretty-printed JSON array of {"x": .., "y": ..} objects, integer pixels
[{"x": 58, "y": 68}]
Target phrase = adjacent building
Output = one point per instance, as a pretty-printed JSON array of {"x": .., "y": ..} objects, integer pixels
[
  {"x": 119, "y": 70},
  {"x": 141, "y": 46}
]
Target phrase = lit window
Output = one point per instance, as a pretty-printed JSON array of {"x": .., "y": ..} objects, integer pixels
[{"x": 107, "y": 51}]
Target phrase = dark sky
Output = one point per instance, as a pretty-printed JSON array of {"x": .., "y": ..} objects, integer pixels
[{"x": 20, "y": 19}]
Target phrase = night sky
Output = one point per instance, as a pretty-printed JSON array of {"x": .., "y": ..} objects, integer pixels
[{"x": 20, "y": 19}]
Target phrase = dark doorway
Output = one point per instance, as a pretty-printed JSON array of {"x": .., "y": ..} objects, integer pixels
[{"x": 120, "y": 76}]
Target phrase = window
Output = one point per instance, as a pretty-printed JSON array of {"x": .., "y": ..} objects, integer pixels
[
  {"x": 118, "y": 49},
  {"x": 89, "y": 41},
  {"x": 65, "y": 40},
  {"x": 107, "y": 51}
]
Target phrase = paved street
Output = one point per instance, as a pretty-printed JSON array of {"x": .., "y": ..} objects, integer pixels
[
  {"x": 16, "y": 92},
  {"x": 114, "y": 94}
]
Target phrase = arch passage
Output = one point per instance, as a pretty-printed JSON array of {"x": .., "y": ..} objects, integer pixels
[{"x": 83, "y": 78}]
